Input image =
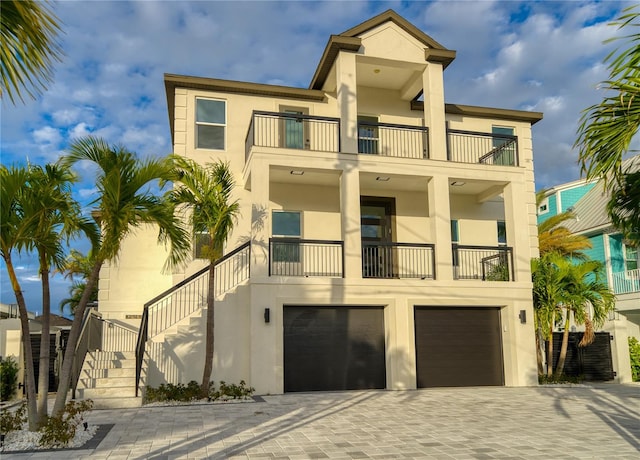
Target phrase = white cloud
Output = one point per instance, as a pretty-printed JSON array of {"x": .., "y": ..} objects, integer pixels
[
  {"x": 79, "y": 130},
  {"x": 47, "y": 134}
]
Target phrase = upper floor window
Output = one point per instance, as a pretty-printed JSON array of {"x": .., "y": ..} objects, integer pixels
[
  {"x": 455, "y": 238},
  {"x": 543, "y": 208},
  {"x": 502, "y": 233},
  {"x": 504, "y": 148},
  {"x": 286, "y": 224},
  {"x": 211, "y": 122},
  {"x": 367, "y": 134},
  {"x": 631, "y": 257}
]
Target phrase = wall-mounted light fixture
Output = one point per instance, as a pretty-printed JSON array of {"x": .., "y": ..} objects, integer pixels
[
  {"x": 383, "y": 178},
  {"x": 296, "y": 172},
  {"x": 267, "y": 315},
  {"x": 523, "y": 316}
]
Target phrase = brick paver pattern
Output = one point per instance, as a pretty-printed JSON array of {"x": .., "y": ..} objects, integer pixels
[{"x": 599, "y": 421}]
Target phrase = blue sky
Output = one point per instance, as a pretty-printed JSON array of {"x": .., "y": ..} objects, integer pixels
[{"x": 541, "y": 56}]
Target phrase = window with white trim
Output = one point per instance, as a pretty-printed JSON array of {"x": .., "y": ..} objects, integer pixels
[
  {"x": 211, "y": 123},
  {"x": 631, "y": 257}
]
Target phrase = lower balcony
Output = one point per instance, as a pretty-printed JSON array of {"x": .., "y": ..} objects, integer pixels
[
  {"x": 626, "y": 282},
  {"x": 298, "y": 257},
  {"x": 484, "y": 263}
]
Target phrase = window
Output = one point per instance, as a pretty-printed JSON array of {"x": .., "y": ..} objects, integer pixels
[
  {"x": 504, "y": 148},
  {"x": 294, "y": 130},
  {"x": 286, "y": 224},
  {"x": 367, "y": 134},
  {"x": 630, "y": 257},
  {"x": 454, "y": 232},
  {"x": 502, "y": 233},
  {"x": 211, "y": 121}
]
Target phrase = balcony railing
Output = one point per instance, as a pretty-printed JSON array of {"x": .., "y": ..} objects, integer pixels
[
  {"x": 298, "y": 257},
  {"x": 626, "y": 282},
  {"x": 483, "y": 263},
  {"x": 293, "y": 131},
  {"x": 486, "y": 148},
  {"x": 392, "y": 140},
  {"x": 398, "y": 260}
]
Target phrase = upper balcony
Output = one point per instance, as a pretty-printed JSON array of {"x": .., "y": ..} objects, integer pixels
[
  {"x": 626, "y": 282},
  {"x": 306, "y": 132}
]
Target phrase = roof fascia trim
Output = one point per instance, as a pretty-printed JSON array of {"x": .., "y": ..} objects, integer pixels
[
  {"x": 441, "y": 56},
  {"x": 172, "y": 81},
  {"x": 335, "y": 44}
]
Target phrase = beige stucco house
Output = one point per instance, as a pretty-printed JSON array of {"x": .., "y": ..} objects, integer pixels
[{"x": 385, "y": 236}]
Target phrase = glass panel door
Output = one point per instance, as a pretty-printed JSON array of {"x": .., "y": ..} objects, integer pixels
[{"x": 376, "y": 231}]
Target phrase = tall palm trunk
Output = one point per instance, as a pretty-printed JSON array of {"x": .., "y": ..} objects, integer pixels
[
  {"x": 565, "y": 344},
  {"x": 208, "y": 351},
  {"x": 30, "y": 385},
  {"x": 539, "y": 351},
  {"x": 72, "y": 341},
  {"x": 550, "y": 352},
  {"x": 43, "y": 375}
]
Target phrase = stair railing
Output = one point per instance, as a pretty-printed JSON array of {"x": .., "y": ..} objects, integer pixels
[
  {"x": 90, "y": 337},
  {"x": 188, "y": 296}
]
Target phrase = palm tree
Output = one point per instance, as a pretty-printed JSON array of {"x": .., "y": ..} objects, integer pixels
[
  {"x": 205, "y": 193},
  {"x": 548, "y": 294},
  {"x": 606, "y": 129},
  {"x": 14, "y": 232},
  {"x": 624, "y": 207},
  {"x": 29, "y": 47},
  {"x": 126, "y": 200},
  {"x": 586, "y": 298},
  {"x": 77, "y": 265},
  {"x": 53, "y": 218},
  {"x": 555, "y": 237}
]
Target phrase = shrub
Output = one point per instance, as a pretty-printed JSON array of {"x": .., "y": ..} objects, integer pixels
[
  {"x": 8, "y": 378},
  {"x": 634, "y": 354},
  {"x": 61, "y": 429},
  {"x": 191, "y": 392},
  {"x": 544, "y": 379},
  {"x": 13, "y": 420}
]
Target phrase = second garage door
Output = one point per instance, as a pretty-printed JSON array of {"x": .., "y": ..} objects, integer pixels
[
  {"x": 458, "y": 346},
  {"x": 333, "y": 348}
]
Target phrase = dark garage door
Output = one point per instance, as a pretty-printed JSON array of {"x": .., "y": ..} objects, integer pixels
[
  {"x": 458, "y": 346},
  {"x": 333, "y": 348}
]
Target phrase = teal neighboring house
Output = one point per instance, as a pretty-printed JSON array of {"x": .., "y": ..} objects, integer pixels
[{"x": 588, "y": 201}]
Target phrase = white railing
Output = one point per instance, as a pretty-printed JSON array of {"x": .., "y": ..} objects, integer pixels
[{"x": 627, "y": 281}]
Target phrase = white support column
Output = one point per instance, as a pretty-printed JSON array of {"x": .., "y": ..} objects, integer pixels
[
  {"x": 434, "y": 119},
  {"x": 440, "y": 217},
  {"x": 607, "y": 260},
  {"x": 260, "y": 219},
  {"x": 350, "y": 217},
  {"x": 347, "y": 101},
  {"x": 515, "y": 213}
]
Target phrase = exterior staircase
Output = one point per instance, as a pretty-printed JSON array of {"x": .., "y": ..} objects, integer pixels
[{"x": 109, "y": 379}]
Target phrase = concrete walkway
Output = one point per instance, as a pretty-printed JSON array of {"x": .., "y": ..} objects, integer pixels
[{"x": 601, "y": 421}]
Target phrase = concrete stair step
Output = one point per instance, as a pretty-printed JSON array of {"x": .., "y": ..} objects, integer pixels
[
  {"x": 107, "y": 382},
  {"x": 108, "y": 373},
  {"x": 109, "y": 392},
  {"x": 111, "y": 355},
  {"x": 124, "y": 364},
  {"x": 117, "y": 403}
]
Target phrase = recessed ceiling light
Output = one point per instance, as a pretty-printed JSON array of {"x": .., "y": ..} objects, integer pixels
[
  {"x": 382, "y": 178},
  {"x": 457, "y": 183},
  {"x": 296, "y": 172},
  {"x": 376, "y": 70}
]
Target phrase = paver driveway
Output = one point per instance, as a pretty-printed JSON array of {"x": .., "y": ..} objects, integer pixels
[{"x": 600, "y": 421}]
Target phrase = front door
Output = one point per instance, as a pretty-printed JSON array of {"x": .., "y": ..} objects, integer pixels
[{"x": 377, "y": 234}]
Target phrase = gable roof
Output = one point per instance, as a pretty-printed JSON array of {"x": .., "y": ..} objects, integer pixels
[{"x": 349, "y": 40}]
